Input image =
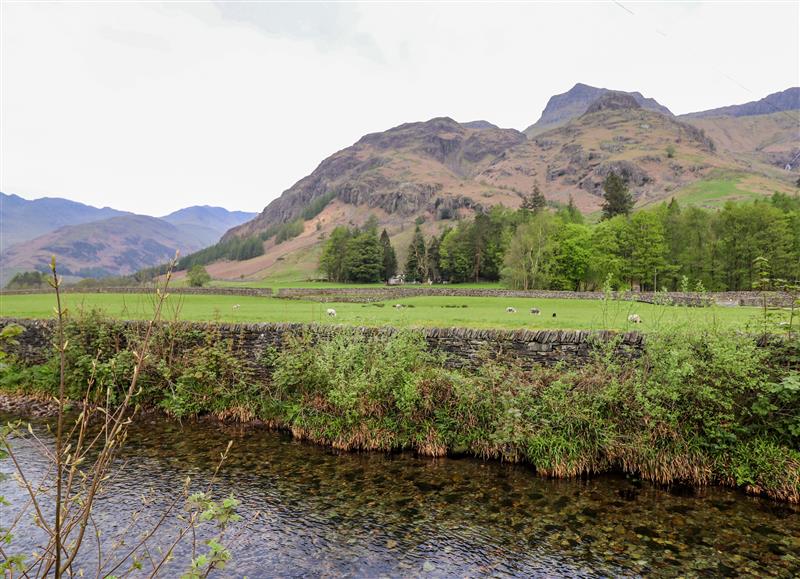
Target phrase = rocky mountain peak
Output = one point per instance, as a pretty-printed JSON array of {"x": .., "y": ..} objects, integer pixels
[
  {"x": 613, "y": 101},
  {"x": 562, "y": 108}
]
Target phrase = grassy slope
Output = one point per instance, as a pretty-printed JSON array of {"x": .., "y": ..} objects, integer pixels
[{"x": 427, "y": 311}]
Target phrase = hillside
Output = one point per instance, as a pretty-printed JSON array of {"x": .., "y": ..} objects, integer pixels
[
  {"x": 773, "y": 139},
  {"x": 204, "y": 225},
  {"x": 22, "y": 219},
  {"x": 786, "y": 100},
  {"x": 413, "y": 169},
  {"x": 562, "y": 108},
  {"x": 114, "y": 246},
  {"x": 117, "y": 245},
  {"x": 439, "y": 170}
]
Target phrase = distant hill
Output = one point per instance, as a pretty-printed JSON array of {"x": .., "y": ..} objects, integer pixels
[
  {"x": 205, "y": 224},
  {"x": 21, "y": 219},
  {"x": 115, "y": 246},
  {"x": 562, "y": 108},
  {"x": 113, "y": 243},
  {"x": 786, "y": 100}
]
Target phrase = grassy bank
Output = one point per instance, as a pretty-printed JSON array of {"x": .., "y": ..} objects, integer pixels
[
  {"x": 471, "y": 312},
  {"x": 700, "y": 408}
]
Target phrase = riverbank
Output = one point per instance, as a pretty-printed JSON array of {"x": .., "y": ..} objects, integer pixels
[
  {"x": 699, "y": 409},
  {"x": 312, "y": 511}
]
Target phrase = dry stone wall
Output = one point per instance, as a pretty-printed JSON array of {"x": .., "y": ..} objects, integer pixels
[
  {"x": 375, "y": 294},
  {"x": 200, "y": 291},
  {"x": 463, "y": 347}
]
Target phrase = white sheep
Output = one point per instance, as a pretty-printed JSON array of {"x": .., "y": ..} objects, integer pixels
[
  {"x": 398, "y": 306},
  {"x": 236, "y": 306},
  {"x": 331, "y": 312},
  {"x": 511, "y": 310},
  {"x": 634, "y": 319},
  {"x": 536, "y": 311}
]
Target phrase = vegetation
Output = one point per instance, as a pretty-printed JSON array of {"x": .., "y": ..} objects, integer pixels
[
  {"x": 357, "y": 255},
  {"x": 649, "y": 250},
  {"x": 698, "y": 408},
  {"x": 618, "y": 200},
  {"x": 27, "y": 280},
  {"x": 236, "y": 248},
  {"x": 84, "y": 456},
  {"x": 389, "y": 257},
  {"x": 198, "y": 276}
]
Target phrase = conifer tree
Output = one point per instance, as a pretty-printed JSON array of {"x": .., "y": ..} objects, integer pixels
[
  {"x": 389, "y": 257},
  {"x": 618, "y": 200}
]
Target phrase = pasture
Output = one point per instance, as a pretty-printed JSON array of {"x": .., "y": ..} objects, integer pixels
[{"x": 438, "y": 311}]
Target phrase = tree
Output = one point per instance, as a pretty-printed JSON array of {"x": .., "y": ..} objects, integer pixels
[
  {"x": 526, "y": 258},
  {"x": 26, "y": 280},
  {"x": 331, "y": 262},
  {"x": 417, "y": 260},
  {"x": 363, "y": 261},
  {"x": 645, "y": 238},
  {"x": 535, "y": 202},
  {"x": 570, "y": 213},
  {"x": 618, "y": 200},
  {"x": 571, "y": 257},
  {"x": 434, "y": 268},
  {"x": 198, "y": 276},
  {"x": 389, "y": 257}
]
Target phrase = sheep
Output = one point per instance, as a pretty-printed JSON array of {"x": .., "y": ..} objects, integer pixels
[
  {"x": 331, "y": 312},
  {"x": 236, "y": 306},
  {"x": 634, "y": 319},
  {"x": 398, "y": 306},
  {"x": 511, "y": 310},
  {"x": 554, "y": 314},
  {"x": 536, "y": 311}
]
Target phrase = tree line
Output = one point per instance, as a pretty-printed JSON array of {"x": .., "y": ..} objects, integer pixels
[
  {"x": 358, "y": 255},
  {"x": 537, "y": 248}
]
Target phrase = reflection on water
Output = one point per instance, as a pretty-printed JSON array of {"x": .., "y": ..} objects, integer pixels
[{"x": 367, "y": 515}]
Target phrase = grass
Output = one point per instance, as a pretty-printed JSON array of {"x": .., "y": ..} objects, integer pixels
[
  {"x": 438, "y": 311},
  {"x": 715, "y": 193}
]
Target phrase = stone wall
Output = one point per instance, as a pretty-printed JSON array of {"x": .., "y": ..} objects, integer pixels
[
  {"x": 462, "y": 346},
  {"x": 203, "y": 291},
  {"x": 375, "y": 294}
]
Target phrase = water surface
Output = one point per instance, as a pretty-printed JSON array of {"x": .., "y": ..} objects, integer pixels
[{"x": 324, "y": 513}]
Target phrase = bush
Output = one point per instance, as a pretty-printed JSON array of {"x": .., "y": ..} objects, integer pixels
[
  {"x": 697, "y": 408},
  {"x": 198, "y": 276}
]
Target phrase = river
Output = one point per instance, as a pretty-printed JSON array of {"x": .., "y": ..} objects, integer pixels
[{"x": 311, "y": 511}]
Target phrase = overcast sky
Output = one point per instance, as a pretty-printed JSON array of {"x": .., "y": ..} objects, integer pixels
[{"x": 150, "y": 107}]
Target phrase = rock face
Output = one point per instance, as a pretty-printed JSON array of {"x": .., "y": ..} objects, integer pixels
[
  {"x": 613, "y": 101},
  {"x": 787, "y": 100},
  {"x": 413, "y": 168},
  {"x": 562, "y": 108}
]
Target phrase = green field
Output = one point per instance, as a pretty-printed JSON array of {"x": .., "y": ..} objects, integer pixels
[{"x": 474, "y": 312}]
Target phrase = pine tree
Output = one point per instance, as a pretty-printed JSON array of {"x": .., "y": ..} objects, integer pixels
[
  {"x": 434, "y": 269},
  {"x": 535, "y": 202},
  {"x": 618, "y": 200},
  {"x": 416, "y": 263},
  {"x": 389, "y": 257}
]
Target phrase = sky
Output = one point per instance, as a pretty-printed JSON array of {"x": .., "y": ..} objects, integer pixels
[{"x": 150, "y": 107}]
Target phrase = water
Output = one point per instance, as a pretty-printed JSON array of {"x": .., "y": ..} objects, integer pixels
[{"x": 324, "y": 513}]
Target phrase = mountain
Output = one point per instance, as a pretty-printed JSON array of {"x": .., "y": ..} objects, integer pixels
[
  {"x": 114, "y": 246},
  {"x": 564, "y": 107},
  {"x": 205, "y": 224},
  {"x": 99, "y": 242},
  {"x": 434, "y": 171},
  {"x": 21, "y": 219},
  {"x": 425, "y": 167},
  {"x": 787, "y": 100}
]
